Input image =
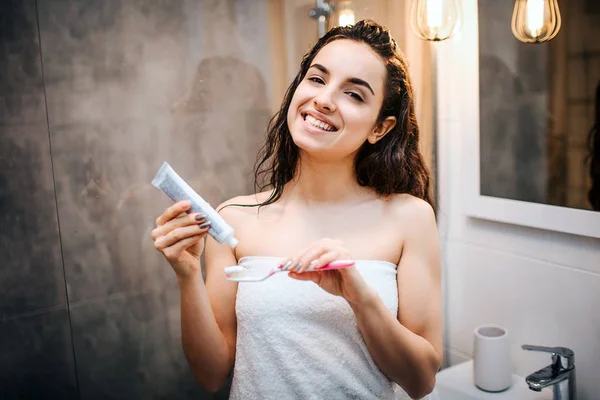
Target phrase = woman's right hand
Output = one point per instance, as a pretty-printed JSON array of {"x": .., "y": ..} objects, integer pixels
[{"x": 179, "y": 237}]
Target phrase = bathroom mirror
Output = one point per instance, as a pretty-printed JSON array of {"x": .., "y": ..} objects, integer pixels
[{"x": 537, "y": 106}]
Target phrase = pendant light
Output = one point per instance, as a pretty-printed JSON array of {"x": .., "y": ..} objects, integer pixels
[
  {"x": 435, "y": 20},
  {"x": 535, "y": 21}
]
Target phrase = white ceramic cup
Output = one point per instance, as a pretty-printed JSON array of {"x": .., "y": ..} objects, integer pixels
[{"x": 491, "y": 364}]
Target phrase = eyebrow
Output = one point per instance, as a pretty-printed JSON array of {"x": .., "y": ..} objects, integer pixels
[{"x": 356, "y": 81}]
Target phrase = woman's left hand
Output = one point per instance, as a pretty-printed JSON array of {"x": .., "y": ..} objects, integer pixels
[{"x": 346, "y": 282}]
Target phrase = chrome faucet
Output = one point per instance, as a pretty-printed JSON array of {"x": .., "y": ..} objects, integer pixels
[{"x": 561, "y": 378}]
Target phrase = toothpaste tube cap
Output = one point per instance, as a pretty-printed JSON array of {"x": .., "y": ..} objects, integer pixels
[{"x": 232, "y": 242}]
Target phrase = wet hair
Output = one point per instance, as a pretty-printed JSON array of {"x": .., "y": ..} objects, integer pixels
[{"x": 393, "y": 164}]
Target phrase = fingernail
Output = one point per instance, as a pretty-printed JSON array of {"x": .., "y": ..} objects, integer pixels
[
  {"x": 204, "y": 225},
  {"x": 298, "y": 266},
  {"x": 286, "y": 265},
  {"x": 200, "y": 217}
]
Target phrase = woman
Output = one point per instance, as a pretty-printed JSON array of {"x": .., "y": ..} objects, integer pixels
[{"x": 343, "y": 162}]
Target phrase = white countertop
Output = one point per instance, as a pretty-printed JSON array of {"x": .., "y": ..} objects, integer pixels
[{"x": 456, "y": 383}]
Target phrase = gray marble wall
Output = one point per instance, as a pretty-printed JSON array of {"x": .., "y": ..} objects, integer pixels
[{"x": 94, "y": 95}]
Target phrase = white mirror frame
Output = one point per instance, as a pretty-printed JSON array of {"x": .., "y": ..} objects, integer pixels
[{"x": 542, "y": 216}]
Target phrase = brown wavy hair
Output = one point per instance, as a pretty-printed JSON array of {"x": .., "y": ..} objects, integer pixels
[{"x": 394, "y": 164}]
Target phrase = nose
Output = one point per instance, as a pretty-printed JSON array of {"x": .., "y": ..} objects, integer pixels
[{"x": 324, "y": 102}]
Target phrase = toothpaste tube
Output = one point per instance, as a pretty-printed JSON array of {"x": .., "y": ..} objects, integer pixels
[{"x": 177, "y": 189}]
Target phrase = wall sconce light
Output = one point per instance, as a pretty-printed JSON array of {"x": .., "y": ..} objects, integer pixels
[
  {"x": 435, "y": 20},
  {"x": 535, "y": 21},
  {"x": 343, "y": 14}
]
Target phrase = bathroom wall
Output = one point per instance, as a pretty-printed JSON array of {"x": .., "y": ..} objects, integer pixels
[
  {"x": 543, "y": 286},
  {"x": 35, "y": 335},
  {"x": 94, "y": 96}
]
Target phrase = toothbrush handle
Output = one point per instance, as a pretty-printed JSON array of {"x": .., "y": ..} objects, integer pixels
[
  {"x": 334, "y": 265},
  {"x": 338, "y": 264}
]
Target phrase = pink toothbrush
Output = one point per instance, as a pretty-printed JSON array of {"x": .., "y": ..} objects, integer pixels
[{"x": 237, "y": 273}]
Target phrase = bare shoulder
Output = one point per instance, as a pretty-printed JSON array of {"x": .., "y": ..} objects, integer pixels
[
  {"x": 240, "y": 209},
  {"x": 413, "y": 211}
]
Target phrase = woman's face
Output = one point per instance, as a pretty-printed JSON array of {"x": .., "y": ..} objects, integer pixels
[{"x": 335, "y": 107}]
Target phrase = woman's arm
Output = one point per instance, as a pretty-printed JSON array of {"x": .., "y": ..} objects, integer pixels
[
  {"x": 208, "y": 321},
  {"x": 409, "y": 349}
]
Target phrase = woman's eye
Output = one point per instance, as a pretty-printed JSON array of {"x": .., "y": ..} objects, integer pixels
[
  {"x": 355, "y": 96},
  {"x": 316, "y": 79}
]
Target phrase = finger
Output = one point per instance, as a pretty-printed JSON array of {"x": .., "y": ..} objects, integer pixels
[
  {"x": 293, "y": 264},
  {"x": 180, "y": 234},
  {"x": 286, "y": 264},
  {"x": 174, "y": 251},
  {"x": 290, "y": 264},
  {"x": 178, "y": 222},
  {"x": 312, "y": 254},
  {"x": 325, "y": 259},
  {"x": 306, "y": 276},
  {"x": 173, "y": 211}
]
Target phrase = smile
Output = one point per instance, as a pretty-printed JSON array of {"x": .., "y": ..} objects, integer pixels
[{"x": 312, "y": 121}]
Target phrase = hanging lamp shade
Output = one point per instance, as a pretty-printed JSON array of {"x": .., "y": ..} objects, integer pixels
[
  {"x": 343, "y": 14},
  {"x": 435, "y": 20},
  {"x": 535, "y": 21}
]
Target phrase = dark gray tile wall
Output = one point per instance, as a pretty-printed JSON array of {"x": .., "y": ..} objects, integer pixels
[
  {"x": 36, "y": 353},
  {"x": 36, "y": 359},
  {"x": 129, "y": 347},
  {"x": 127, "y": 86},
  {"x": 31, "y": 276},
  {"x": 31, "y": 273}
]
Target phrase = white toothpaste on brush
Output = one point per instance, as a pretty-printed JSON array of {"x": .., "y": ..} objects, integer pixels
[{"x": 177, "y": 189}]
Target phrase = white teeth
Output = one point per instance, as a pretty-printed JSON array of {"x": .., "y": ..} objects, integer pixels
[{"x": 319, "y": 124}]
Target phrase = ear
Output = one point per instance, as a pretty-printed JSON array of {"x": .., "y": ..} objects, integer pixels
[{"x": 381, "y": 130}]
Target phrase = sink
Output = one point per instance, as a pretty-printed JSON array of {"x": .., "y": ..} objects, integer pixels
[
  {"x": 456, "y": 383},
  {"x": 447, "y": 393}
]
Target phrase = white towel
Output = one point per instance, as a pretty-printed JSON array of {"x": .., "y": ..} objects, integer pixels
[{"x": 296, "y": 341}]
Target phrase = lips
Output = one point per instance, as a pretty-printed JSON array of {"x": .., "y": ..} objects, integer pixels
[{"x": 319, "y": 122}]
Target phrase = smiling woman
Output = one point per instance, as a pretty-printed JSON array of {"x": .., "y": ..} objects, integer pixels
[
  {"x": 346, "y": 181},
  {"x": 366, "y": 66},
  {"x": 332, "y": 98}
]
